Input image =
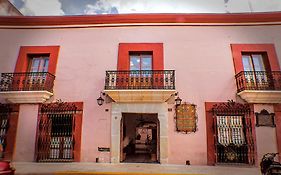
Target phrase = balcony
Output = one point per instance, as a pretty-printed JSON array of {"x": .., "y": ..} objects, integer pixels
[
  {"x": 26, "y": 87},
  {"x": 259, "y": 86},
  {"x": 140, "y": 86}
]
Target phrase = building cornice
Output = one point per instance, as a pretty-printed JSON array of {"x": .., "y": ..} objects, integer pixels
[{"x": 141, "y": 19}]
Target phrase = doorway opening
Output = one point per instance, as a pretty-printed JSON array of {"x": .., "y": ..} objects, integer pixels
[{"x": 139, "y": 138}]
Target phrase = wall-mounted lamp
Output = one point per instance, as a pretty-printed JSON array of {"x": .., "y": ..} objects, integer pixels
[
  {"x": 100, "y": 100},
  {"x": 178, "y": 100}
]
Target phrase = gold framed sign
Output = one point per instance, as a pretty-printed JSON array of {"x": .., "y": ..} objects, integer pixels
[{"x": 186, "y": 118}]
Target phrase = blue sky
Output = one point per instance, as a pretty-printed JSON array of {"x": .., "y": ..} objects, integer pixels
[{"x": 91, "y": 7}]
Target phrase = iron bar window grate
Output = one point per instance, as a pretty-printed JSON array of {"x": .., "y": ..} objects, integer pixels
[
  {"x": 56, "y": 132},
  {"x": 5, "y": 112},
  {"x": 233, "y": 134}
]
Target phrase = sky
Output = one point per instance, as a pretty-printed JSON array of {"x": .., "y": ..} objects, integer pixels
[{"x": 92, "y": 7}]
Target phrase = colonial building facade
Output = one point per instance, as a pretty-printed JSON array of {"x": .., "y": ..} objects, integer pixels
[{"x": 170, "y": 89}]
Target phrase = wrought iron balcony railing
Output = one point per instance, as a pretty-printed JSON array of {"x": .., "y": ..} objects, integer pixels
[
  {"x": 144, "y": 79},
  {"x": 27, "y": 81},
  {"x": 258, "y": 80}
]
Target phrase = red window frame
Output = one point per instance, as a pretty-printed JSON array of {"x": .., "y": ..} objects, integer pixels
[
  {"x": 239, "y": 49},
  {"x": 124, "y": 58},
  {"x": 126, "y": 48},
  {"x": 23, "y": 58}
]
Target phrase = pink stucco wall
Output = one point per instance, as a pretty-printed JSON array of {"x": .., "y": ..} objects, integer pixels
[
  {"x": 201, "y": 56},
  {"x": 266, "y": 136},
  {"x": 26, "y": 133}
]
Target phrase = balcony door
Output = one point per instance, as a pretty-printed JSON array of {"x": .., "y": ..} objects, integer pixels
[
  {"x": 141, "y": 69},
  {"x": 37, "y": 72},
  {"x": 39, "y": 63},
  {"x": 257, "y": 70}
]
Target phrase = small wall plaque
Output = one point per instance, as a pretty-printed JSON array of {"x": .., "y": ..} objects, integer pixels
[
  {"x": 103, "y": 149},
  {"x": 264, "y": 118}
]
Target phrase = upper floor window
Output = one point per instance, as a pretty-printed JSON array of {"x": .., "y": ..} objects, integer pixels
[
  {"x": 141, "y": 61},
  {"x": 38, "y": 63},
  {"x": 256, "y": 67},
  {"x": 140, "y": 56},
  {"x": 255, "y": 62},
  {"x": 35, "y": 70},
  {"x": 257, "y": 70},
  {"x": 254, "y": 57},
  {"x": 37, "y": 59}
]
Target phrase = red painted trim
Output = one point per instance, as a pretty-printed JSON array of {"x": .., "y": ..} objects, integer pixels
[
  {"x": 140, "y": 18},
  {"x": 23, "y": 61},
  {"x": 78, "y": 131},
  {"x": 237, "y": 50},
  {"x": 211, "y": 159},
  {"x": 155, "y": 48},
  {"x": 277, "y": 111}
]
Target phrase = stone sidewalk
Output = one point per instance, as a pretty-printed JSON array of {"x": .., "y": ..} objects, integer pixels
[{"x": 30, "y": 168}]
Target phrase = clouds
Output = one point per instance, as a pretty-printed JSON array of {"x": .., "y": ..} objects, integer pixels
[
  {"x": 92, "y": 7},
  {"x": 171, "y": 6},
  {"x": 153, "y": 6},
  {"x": 41, "y": 8},
  {"x": 100, "y": 7}
]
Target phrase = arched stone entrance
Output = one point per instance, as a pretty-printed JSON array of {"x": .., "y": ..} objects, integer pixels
[{"x": 116, "y": 116}]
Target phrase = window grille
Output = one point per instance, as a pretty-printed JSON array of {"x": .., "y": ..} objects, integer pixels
[
  {"x": 5, "y": 111},
  {"x": 233, "y": 133},
  {"x": 230, "y": 130},
  {"x": 56, "y": 132}
]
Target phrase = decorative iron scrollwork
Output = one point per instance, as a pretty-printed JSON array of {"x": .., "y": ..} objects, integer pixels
[
  {"x": 27, "y": 81},
  {"x": 58, "y": 106},
  {"x": 56, "y": 132},
  {"x": 233, "y": 128},
  {"x": 231, "y": 107}
]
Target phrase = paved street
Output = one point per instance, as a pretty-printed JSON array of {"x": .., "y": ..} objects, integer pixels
[{"x": 24, "y": 168}]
